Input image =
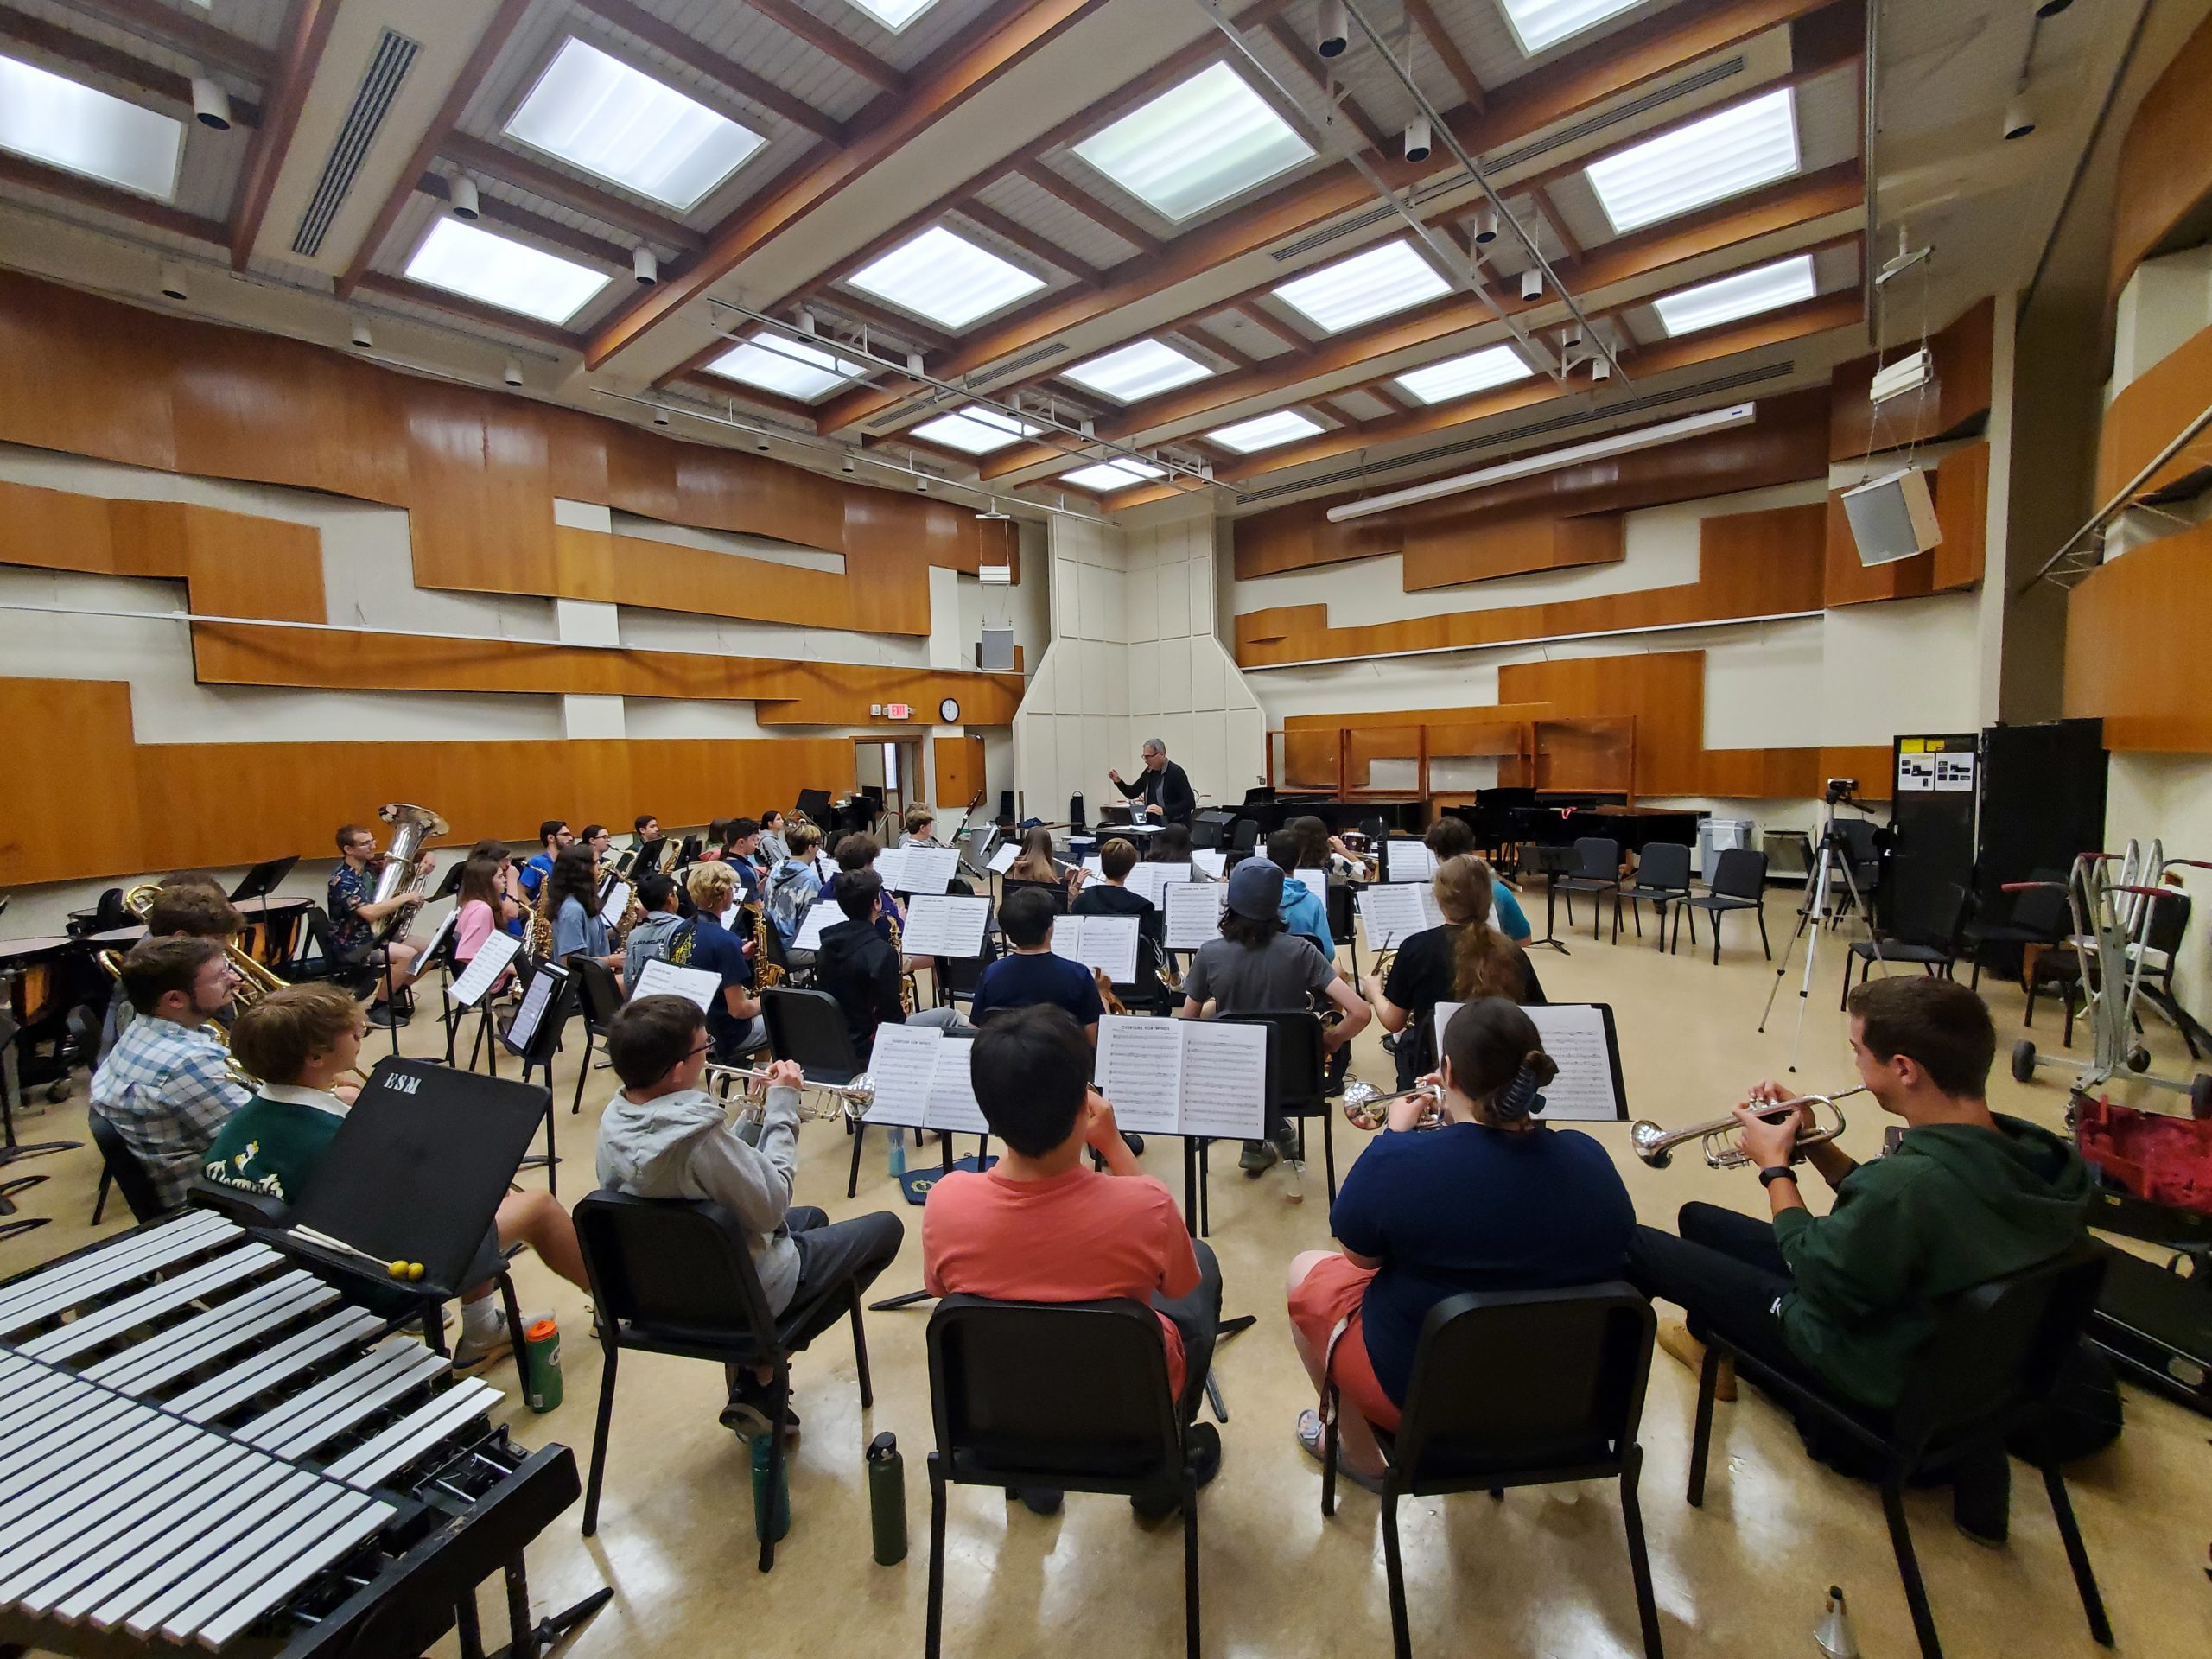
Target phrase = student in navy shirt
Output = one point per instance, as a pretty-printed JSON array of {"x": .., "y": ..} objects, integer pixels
[
  {"x": 734, "y": 1018},
  {"x": 1491, "y": 1200},
  {"x": 1033, "y": 973}
]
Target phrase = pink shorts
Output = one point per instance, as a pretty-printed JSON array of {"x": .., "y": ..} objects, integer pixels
[{"x": 1333, "y": 1292}]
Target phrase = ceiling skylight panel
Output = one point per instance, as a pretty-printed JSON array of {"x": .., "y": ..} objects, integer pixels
[
  {"x": 893, "y": 15},
  {"x": 1538, "y": 24},
  {"x": 1745, "y": 294},
  {"x": 1198, "y": 143},
  {"x": 975, "y": 430},
  {"x": 1102, "y": 478},
  {"x": 1143, "y": 370},
  {"x": 1265, "y": 431},
  {"x": 513, "y": 276},
  {"x": 598, "y": 113},
  {"x": 1365, "y": 287},
  {"x": 65, "y": 123},
  {"x": 945, "y": 278},
  {"x": 1723, "y": 154},
  {"x": 1462, "y": 377},
  {"x": 789, "y": 367}
]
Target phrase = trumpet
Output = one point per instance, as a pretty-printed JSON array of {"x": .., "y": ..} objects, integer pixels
[
  {"x": 1657, "y": 1146},
  {"x": 852, "y": 1098},
  {"x": 1367, "y": 1107}
]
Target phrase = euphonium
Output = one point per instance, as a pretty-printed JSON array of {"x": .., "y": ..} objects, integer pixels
[
  {"x": 1657, "y": 1146},
  {"x": 255, "y": 978}
]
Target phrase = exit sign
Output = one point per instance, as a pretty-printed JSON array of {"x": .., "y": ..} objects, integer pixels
[{"x": 899, "y": 710}]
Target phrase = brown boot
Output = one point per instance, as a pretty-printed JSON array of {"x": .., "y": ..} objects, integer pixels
[{"x": 1675, "y": 1337}]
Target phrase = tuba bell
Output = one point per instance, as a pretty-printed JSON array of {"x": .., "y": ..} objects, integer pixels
[{"x": 411, "y": 826}]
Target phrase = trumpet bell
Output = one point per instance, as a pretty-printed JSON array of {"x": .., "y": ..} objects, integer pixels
[{"x": 1652, "y": 1143}]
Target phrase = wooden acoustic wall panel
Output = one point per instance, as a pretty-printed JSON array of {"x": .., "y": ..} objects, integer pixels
[
  {"x": 1960, "y": 487},
  {"x": 2165, "y": 178},
  {"x": 1437, "y": 559},
  {"x": 1954, "y": 399},
  {"x": 166, "y": 806},
  {"x": 1664, "y": 691},
  {"x": 667, "y": 576},
  {"x": 958, "y": 763},
  {"x": 2150, "y": 412},
  {"x": 2135, "y": 633}
]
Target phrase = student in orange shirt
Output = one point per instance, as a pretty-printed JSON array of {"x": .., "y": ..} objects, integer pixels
[{"x": 1042, "y": 1226}]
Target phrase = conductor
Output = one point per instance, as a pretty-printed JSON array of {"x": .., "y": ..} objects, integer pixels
[{"x": 1163, "y": 787}]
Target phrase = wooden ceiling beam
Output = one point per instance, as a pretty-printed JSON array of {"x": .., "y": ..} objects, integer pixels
[
  {"x": 181, "y": 31},
  {"x": 306, "y": 32},
  {"x": 634, "y": 19},
  {"x": 488, "y": 316},
  {"x": 1268, "y": 323},
  {"x": 829, "y": 40},
  {"x": 125, "y": 204},
  {"x": 900, "y": 325},
  {"x": 1036, "y": 246},
  {"x": 493, "y": 211},
  {"x": 1098, "y": 212},
  {"x": 1431, "y": 28},
  {"x": 70, "y": 47},
  {"x": 494, "y": 161}
]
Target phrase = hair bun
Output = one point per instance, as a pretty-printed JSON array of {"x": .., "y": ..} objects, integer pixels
[{"x": 1540, "y": 1066}]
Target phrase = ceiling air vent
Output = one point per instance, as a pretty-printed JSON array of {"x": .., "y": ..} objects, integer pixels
[
  {"x": 1358, "y": 222},
  {"x": 1505, "y": 160},
  {"x": 1021, "y": 365},
  {"x": 388, "y": 66}
]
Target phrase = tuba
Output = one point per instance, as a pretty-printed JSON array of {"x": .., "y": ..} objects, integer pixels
[{"x": 412, "y": 826}]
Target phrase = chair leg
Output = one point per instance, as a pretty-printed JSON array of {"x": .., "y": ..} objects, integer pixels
[
  {"x": 1617, "y": 920},
  {"x": 2077, "y": 1555},
  {"x": 1916, "y": 1593},
  {"x": 853, "y": 1180},
  {"x": 1708, "y": 1380},
  {"x": 779, "y": 1399},
  {"x": 1191, "y": 1567},
  {"x": 1639, "y": 1562},
  {"x": 1401, "y": 1639},
  {"x": 1761, "y": 914},
  {"x": 860, "y": 1350},
  {"x": 99, "y": 1199},
  {"x": 1715, "y": 920},
  {"x": 1329, "y": 1151},
  {"x": 1329, "y": 1458},
  {"x": 583, "y": 1070},
  {"x": 599, "y": 1439},
  {"x": 933, "y": 1625}
]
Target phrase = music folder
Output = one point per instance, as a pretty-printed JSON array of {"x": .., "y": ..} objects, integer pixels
[
  {"x": 1582, "y": 1040},
  {"x": 921, "y": 1081},
  {"x": 489, "y": 961},
  {"x": 1203, "y": 1077},
  {"x": 945, "y": 925},
  {"x": 925, "y": 870},
  {"x": 1103, "y": 943}
]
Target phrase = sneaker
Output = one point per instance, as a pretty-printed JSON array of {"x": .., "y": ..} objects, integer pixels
[
  {"x": 472, "y": 1354},
  {"x": 379, "y": 1015},
  {"x": 1205, "y": 1440},
  {"x": 1309, "y": 1438},
  {"x": 1038, "y": 1500},
  {"x": 1258, "y": 1158},
  {"x": 1136, "y": 1143}
]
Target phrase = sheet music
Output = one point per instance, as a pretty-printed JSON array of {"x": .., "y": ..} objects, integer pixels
[
  {"x": 438, "y": 938},
  {"x": 902, "y": 1066},
  {"x": 490, "y": 961},
  {"x": 823, "y": 913},
  {"x": 1411, "y": 860},
  {"x": 1225, "y": 1079},
  {"x": 891, "y": 865},
  {"x": 1314, "y": 882},
  {"x": 1194, "y": 913},
  {"x": 1106, "y": 942},
  {"x": 952, "y": 1103},
  {"x": 1092, "y": 865},
  {"x": 1140, "y": 1068},
  {"x": 660, "y": 977},
  {"x": 535, "y": 997},
  {"x": 1211, "y": 862},
  {"x": 1154, "y": 879},
  {"x": 1067, "y": 937},
  {"x": 927, "y": 869},
  {"x": 945, "y": 925},
  {"x": 1394, "y": 912},
  {"x": 1002, "y": 860},
  {"x": 617, "y": 900},
  {"x": 1574, "y": 1035}
]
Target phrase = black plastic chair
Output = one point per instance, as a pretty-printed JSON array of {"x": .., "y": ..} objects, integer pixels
[
  {"x": 1933, "y": 951},
  {"x": 1738, "y": 883},
  {"x": 1298, "y": 1081},
  {"x": 670, "y": 1276},
  {"x": 1243, "y": 841},
  {"x": 1147, "y": 993},
  {"x": 119, "y": 1165},
  {"x": 809, "y": 1027},
  {"x": 1996, "y": 1354},
  {"x": 957, "y": 977},
  {"x": 599, "y": 993},
  {"x": 1525, "y": 1388},
  {"x": 1071, "y": 1395},
  {"x": 1055, "y": 891},
  {"x": 1663, "y": 878},
  {"x": 2169, "y": 926},
  {"x": 2040, "y": 915},
  {"x": 1597, "y": 871}
]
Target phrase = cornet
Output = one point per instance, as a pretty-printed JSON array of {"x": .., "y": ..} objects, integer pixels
[
  {"x": 1367, "y": 1107},
  {"x": 1657, "y": 1146},
  {"x": 852, "y": 1098}
]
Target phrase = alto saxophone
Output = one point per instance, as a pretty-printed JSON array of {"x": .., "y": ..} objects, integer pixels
[
  {"x": 765, "y": 974},
  {"x": 905, "y": 979}
]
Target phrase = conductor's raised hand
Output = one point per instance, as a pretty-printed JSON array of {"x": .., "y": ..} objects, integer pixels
[{"x": 1113, "y": 775}]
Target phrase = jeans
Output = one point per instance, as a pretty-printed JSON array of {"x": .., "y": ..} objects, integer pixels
[
  {"x": 832, "y": 1254},
  {"x": 947, "y": 1020},
  {"x": 1197, "y": 1318}
]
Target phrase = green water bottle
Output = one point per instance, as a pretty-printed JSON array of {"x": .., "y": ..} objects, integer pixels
[
  {"x": 887, "y": 1499},
  {"x": 764, "y": 1504},
  {"x": 542, "y": 1364}
]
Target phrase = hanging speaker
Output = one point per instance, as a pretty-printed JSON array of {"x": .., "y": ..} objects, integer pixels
[
  {"x": 994, "y": 652},
  {"x": 1892, "y": 518}
]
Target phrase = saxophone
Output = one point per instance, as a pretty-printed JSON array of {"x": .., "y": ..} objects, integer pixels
[
  {"x": 905, "y": 979},
  {"x": 633, "y": 912},
  {"x": 541, "y": 920},
  {"x": 766, "y": 975}
]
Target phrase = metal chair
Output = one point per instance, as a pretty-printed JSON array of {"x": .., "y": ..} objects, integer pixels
[
  {"x": 599, "y": 993},
  {"x": 120, "y": 1165},
  {"x": 1933, "y": 951},
  {"x": 1597, "y": 871},
  {"x": 2038, "y": 916},
  {"x": 1738, "y": 883},
  {"x": 1663, "y": 878}
]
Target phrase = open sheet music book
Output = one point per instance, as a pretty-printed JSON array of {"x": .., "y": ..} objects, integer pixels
[
  {"x": 1314, "y": 882},
  {"x": 945, "y": 925},
  {"x": 1154, "y": 879},
  {"x": 1194, "y": 913},
  {"x": 617, "y": 900},
  {"x": 490, "y": 961},
  {"x": 1099, "y": 942},
  {"x": 1184, "y": 1077},
  {"x": 1394, "y": 912},
  {"x": 1580, "y": 1038},
  {"x": 823, "y": 913},
  {"x": 923, "y": 870},
  {"x": 1410, "y": 861},
  {"x": 1002, "y": 860},
  {"x": 660, "y": 977},
  {"x": 921, "y": 1080},
  {"x": 1211, "y": 862},
  {"x": 891, "y": 865}
]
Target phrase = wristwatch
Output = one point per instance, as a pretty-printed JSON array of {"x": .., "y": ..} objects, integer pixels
[{"x": 1778, "y": 1172}]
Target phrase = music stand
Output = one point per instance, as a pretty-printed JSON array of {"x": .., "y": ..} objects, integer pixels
[
  {"x": 547, "y": 999},
  {"x": 814, "y": 804},
  {"x": 259, "y": 882}
]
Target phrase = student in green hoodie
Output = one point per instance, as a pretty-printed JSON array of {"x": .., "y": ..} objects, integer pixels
[{"x": 1847, "y": 1298}]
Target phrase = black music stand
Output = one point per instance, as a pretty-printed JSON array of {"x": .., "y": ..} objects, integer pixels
[
  {"x": 1551, "y": 862},
  {"x": 547, "y": 999},
  {"x": 814, "y": 804},
  {"x": 451, "y": 885}
]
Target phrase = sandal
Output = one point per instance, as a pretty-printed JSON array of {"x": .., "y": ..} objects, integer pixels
[{"x": 1309, "y": 1438}]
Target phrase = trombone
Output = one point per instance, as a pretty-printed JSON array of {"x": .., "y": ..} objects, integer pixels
[
  {"x": 852, "y": 1098},
  {"x": 1657, "y": 1146},
  {"x": 1367, "y": 1107}
]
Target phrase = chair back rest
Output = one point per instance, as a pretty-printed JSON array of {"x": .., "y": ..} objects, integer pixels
[
  {"x": 1342, "y": 911},
  {"x": 2169, "y": 921},
  {"x": 108, "y": 913},
  {"x": 1148, "y": 986},
  {"x": 1067, "y": 1389},
  {"x": 809, "y": 1027},
  {"x": 1945, "y": 918},
  {"x": 1053, "y": 890},
  {"x": 674, "y": 1267},
  {"x": 1598, "y": 858},
  {"x": 1245, "y": 835},
  {"x": 1858, "y": 839},
  {"x": 1297, "y": 1063},
  {"x": 2043, "y": 909},
  {"x": 131, "y": 1176},
  {"x": 1571, "y": 1394},
  {"x": 1999, "y": 1347},
  {"x": 1739, "y": 873},
  {"x": 598, "y": 992},
  {"x": 963, "y": 974},
  {"x": 1663, "y": 864}
]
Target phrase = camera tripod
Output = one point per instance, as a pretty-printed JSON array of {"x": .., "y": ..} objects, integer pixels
[{"x": 1832, "y": 855}]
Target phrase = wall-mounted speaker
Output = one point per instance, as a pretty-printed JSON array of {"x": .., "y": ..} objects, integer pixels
[
  {"x": 994, "y": 652},
  {"x": 1892, "y": 517}
]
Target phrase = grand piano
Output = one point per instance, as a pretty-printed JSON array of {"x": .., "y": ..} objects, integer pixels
[{"x": 1504, "y": 818}]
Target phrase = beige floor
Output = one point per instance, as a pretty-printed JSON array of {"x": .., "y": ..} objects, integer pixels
[{"x": 1543, "y": 1574}]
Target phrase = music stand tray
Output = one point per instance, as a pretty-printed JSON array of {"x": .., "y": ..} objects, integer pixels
[
  {"x": 263, "y": 878},
  {"x": 451, "y": 885}
]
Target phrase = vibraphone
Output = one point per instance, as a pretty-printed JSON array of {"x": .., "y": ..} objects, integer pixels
[{"x": 204, "y": 1446}]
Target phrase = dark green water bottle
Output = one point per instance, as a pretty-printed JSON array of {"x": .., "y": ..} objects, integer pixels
[
  {"x": 887, "y": 1499},
  {"x": 542, "y": 1364},
  {"x": 765, "y": 1504}
]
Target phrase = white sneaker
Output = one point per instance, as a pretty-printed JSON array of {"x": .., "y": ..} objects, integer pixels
[{"x": 471, "y": 1355}]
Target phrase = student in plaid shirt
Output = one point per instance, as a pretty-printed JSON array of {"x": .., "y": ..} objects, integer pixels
[{"x": 166, "y": 1087}]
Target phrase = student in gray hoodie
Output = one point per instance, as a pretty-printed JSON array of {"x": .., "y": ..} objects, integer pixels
[
  {"x": 663, "y": 1136},
  {"x": 654, "y": 933}
]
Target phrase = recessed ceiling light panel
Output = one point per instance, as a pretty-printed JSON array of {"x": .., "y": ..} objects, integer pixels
[
  {"x": 1197, "y": 144},
  {"x": 1462, "y": 377},
  {"x": 893, "y": 15},
  {"x": 513, "y": 276},
  {"x": 1739, "y": 149},
  {"x": 789, "y": 367},
  {"x": 596, "y": 112},
  {"x": 1142, "y": 370},
  {"x": 945, "y": 279},
  {"x": 1365, "y": 287},
  {"x": 65, "y": 123},
  {"x": 1265, "y": 431},
  {"x": 1539, "y": 24},
  {"x": 1103, "y": 478},
  {"x": 975, "y": 430},
  {"x": 1744, "y": 293}
]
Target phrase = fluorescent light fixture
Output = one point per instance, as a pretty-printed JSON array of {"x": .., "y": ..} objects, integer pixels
[
  {"x": 1104, "y": 477},
  {"x": 1143, "y": 370},
  {"x": 1365, "y": 287},
  {"x": 975, "y": 430},
  {"x": 1539, "y": 24},
  {"x": 893, "y": 15},
  {"x": 1462, "y": 377},
  {"x": 1618, "y": 443},
  {"x": 1200, "y": 142},
  {"x": 594, "y": 112},
  {"x": 789, "y": 367},
  {"x": 513, "y": 276},
  {"x": 1745, "y": 294},
  {"x": 1741, "y": 147},
  {"x": 1265, "y": 431},
  {"x": 944, "y": 278},
  {"x": 79, "y": 129}
]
